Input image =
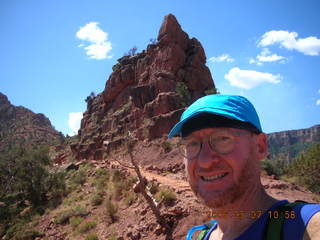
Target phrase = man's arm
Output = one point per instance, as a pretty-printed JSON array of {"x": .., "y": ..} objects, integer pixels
[{"x": 313, "y": 228}]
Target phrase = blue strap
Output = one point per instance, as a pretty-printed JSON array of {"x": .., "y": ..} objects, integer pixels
[{"x": 198, "y": 228}]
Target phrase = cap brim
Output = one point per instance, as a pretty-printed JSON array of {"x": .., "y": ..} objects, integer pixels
[{"x": 178, "y": 127}]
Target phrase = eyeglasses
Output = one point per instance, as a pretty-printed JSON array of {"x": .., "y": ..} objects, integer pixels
[{"x": 221, "y": 142}]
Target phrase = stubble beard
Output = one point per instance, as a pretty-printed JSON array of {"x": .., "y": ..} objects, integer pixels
[{"x": 229, "y": 195}]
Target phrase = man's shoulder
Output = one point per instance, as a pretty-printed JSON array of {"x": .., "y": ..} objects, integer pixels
[
  {"x": 313, "y": 230},
  {"x": 309, "y": 217}
]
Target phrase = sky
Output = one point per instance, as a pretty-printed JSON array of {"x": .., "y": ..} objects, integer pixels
[{"x": 55, "y": 53}]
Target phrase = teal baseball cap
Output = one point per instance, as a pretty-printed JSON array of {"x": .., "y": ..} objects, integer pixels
[{"x": 218, "y": 111}]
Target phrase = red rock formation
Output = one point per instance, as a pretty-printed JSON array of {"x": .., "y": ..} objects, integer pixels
[
  {"x": 20, "y": 126},
  {"x": 141, "y": 96}
]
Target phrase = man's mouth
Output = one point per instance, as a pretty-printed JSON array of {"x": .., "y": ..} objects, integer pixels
[{"x": 213, "y": 178}]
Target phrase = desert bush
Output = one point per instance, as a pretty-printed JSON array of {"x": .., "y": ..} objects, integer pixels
[
  {"x": 153, "y": 187},
  {"x": 130, "y": 198},
  {"x": 10, "y": 232},
  {"x": 116, "y": 67},
  {"x": 118, "y": 176},
  {"x": 103, "y": 172},
  {"x": 306, "y": 168},
  {"x": 64, "y": 216},
  {"x": 86, "y": 226},
  {"x": 184, "y": 93},
  {"x": 90, "y": 98},
  {"x": 77, "y": 177},
  {"x": 121, "y": 186},
  {"x": 92, "y": 236},
  {"x": 96, "y": 199},
  {"x": 26, "y": 234},
  {"x": 165, "y": 195},
  {"x": 24, "y": 177},
  {"x": 111, "y": 209},
  {"x": 75, "y": 221},
  {"x": 131, "y": 52},
  {"x": 211, "y": 91},
  {"x": 100, "y": 180},
  {"x": 274, "y": 166},
  {"x": 112, "y": 238}
]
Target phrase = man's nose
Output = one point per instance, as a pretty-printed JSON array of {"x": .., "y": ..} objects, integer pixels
[{"x": 207, "y": 157}]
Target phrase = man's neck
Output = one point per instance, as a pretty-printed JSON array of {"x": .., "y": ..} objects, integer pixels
[{"x": 235, "y": 218}]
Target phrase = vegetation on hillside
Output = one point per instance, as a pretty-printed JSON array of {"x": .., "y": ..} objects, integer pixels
[
  {"x": 305, "y": 169},
  {"x": 183, "y": 91},
  {"x": 292, "y": 150},
  {"x": 27, "y": 187},
  {"x": 302, "y": 170}
]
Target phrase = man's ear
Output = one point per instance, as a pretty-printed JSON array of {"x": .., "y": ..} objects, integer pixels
[{"x": 262, "y": 146}]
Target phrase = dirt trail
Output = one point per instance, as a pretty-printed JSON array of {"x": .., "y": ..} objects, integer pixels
[{"x": 177, "y": 184}]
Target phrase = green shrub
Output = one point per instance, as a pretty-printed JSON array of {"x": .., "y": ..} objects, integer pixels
[
  {"x": 10, "y": 232},
  {"x": 96, "y": 199},
  {"x": 24, "y": 177},
  {"x": 101, "y": 178},
  {"x": 306, "y": 168},
  {"x": 111, "y": 209},
  {"x": 184, "y": 93},
  {"x": 112, "y": 238},
  {"x": 78, "y": 177},
  {"x": 92, "y": 236},
  {"x": 26, "y": 234},
  {"x": 130, "y": 198},
  {"x": 64, "y": 216},
  {"x": 122, "y": 186},
  {"x": 116, "y": 67},
  {"x": 75, "y": 221},
  {"x": 86, "y": 226},
  {"x": 211, "y": 91},
  {"x": 153, "y": 187},
  {"x": 165, "y": 195},
  {"x": 274, "y": 166},
  {"x": 118, "y": 176}
]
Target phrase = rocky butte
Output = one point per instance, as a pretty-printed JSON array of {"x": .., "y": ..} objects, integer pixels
[
  {"x": 146, "y": 93},
  {"x": 20, "y": 126}
]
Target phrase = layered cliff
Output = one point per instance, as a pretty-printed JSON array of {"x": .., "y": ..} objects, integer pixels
[
  {"x": 19, "y": 125},
  {"x": 146, "y": 93},
  {"x": 291, "y": 143}
]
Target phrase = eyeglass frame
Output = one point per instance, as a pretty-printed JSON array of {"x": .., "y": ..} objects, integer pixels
[{"x": 236, "y": 133}]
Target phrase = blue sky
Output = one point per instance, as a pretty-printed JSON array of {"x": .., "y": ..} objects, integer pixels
[{"x": 54, "y": 53}]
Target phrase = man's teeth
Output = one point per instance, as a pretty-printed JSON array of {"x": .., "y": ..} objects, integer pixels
[{"x": 211, "y": 178}]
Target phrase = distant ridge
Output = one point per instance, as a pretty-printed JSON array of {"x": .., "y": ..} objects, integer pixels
[
  {"x": 19, "y": 125},
  {"x": 292, "y": 142}
]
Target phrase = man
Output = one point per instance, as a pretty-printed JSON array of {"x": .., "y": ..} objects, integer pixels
[{"x": 223, "y": 143}]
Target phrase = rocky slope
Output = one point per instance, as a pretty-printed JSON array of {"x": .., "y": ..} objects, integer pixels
[
  {"x": 291, "y": 143},
  {"x": 19, "y": 125},
  {"x": 146, "y": 93}
]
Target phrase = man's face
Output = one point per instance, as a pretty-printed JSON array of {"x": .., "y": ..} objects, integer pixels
[{"x": 221, "y": 178}]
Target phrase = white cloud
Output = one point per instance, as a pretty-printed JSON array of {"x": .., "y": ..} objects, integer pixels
[
  {"x": 308, "y": 46},
  {"x": 98, "y": 46},
  {"x": 266, "y": 56},
  {"x": 222, "y": 58},
  {"x": 318, "y": 102},
  {"x": 248, "y": 79},
  {"x": 74, "y": 122}
]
